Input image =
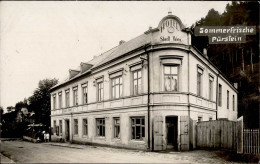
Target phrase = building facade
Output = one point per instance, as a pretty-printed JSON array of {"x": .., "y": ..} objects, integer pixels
[{"x": 143, "y": 94}]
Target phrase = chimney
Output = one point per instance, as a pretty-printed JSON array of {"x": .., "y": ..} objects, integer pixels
[
  {"x": 121, "y": 42},
  {"x": 205, "y": 52},
  {"x": 236, "y": 85}
]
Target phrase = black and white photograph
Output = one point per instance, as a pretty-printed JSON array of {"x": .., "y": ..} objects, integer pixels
[{"x": 129, "y": 82}]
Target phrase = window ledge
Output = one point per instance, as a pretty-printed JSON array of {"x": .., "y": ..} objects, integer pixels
[
  {"x": 100, "y": 137},
  {"x": 84, "y": 136},
  {"x": 137, "y": 141}
]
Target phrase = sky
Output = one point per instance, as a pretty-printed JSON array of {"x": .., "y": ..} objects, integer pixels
[{"x": 45, "y": 39}]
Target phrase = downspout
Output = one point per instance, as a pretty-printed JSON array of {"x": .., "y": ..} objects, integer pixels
[
  {"x": 71, "y": 131},
  {"x": 217, "y": 98},
  {"x": 148, "y": 95},
  {"x": 188, "y": 84}
]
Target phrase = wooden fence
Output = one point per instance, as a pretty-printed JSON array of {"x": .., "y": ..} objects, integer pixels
[
  {"x": 251, "y": 144},
  {"x": 216, "y": 134}
]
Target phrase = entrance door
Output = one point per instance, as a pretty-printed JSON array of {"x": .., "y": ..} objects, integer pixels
[
  {"x": 172, "y": 132},
  {"x": 67, "y": 129}
]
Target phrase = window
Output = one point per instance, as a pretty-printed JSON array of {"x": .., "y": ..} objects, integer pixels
[
  {"x": 227, "y": 99},
  {"x": 101, "y": 127},
  {"x": 117, "y": 127},
  {"x": 60, "y": 100},
  {"x": 210, "y": 88},
  {"x": 85, "y": 127},
  {"x": 75, "y": 96},
  {"x": 138, "y": 128},
  {"x": 137, "y": 82},
  {"x": 54, "y": 126},
  {"x": 54, "y": 101},
  {"x": 60, "y": 126},
  {"x": 199, "y": 119},
  {"x": 233, "y": 102},
  {"x": 67, "y": 98},
  {"x": 100, "y": 91},
  {"x": 199, "y": 82},
  {"x": 171, "y": 78},
  {"x": 116, "y": 87},
  {"x": 219, "y": 95},
  {"x": 85, "y": 95},
  {"x": 75, "y": 126}
]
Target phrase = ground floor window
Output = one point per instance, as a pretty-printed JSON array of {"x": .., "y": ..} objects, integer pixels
[
  {"x": 100, "y": 127},
  {"x": 60, "y": 126},
  {"x": 138, "y": 128},
  {"x": 117, "y": 127},
  {"x": 85, "y": 127},
  {"x": 75, "y": 126}
]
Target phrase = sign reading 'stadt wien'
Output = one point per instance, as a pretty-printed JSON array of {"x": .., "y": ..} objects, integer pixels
[{"x": 225, "y": 34}]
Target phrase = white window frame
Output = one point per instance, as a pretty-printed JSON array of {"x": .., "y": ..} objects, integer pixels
[
  {"x": 137, "y": 89},
  {"x": 84, "y": 93},
  {"x": 67, "y": 98},
  {"x": 211, "y": 79},
  {"x": 76, "y": 126},
  {"x": 85, "y": 126},
  {"x": 227, "y": 99},
  {"x": 134, "y": 126},
  {"x": 75, "y": 96},
  {"x": 219, "y": 95},
  {"x": 100, "y": 123},
  {"x": 199, "y": 81},
  {"x": 171, "y": 75},
  {"x": 116, "y": 127},
  {"x": 116, "y": 88}
]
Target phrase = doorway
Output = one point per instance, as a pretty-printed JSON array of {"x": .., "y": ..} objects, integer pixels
[
  {"x": 67, "y": 130},
  {"x": 172, "y": 132}
]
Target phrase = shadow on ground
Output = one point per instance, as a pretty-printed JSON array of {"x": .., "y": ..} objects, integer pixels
[{"x": 234, "y": 157}]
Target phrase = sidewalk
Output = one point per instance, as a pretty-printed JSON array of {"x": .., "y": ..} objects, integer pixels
[{"x": 69, "y": 145}]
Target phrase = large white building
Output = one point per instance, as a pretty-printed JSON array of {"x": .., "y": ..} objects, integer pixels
[{"x": 143, "y": 94}]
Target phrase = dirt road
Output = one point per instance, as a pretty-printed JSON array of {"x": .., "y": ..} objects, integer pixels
[{"x": 26, "y": 152}]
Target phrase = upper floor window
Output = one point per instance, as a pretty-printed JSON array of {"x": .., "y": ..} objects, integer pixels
[
  {"x": 137, "y": 82},
  {"x": 233, "y": 102},
  {"x": 100, "y": 91},
  {"x": 117, "y": 88},
  {"x": 171, "y": 78},
  {"x": 67, "y": 95},
  {"x": 75, "y": 96},
  {"x": 54, "y": 101},
  {"x": 199, "y": 81},
  {"x": 227, "y": 99},
  {"x": 60, "y": 100},
  {"x": 85, "y": 93},
  {"x": 210, "y": 88},
  {"x": 219, "y": 95}
]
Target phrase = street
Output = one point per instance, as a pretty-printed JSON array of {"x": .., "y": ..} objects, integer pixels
[{"x": 27, "y": 152}]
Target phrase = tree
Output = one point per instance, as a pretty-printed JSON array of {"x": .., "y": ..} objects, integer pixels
[
  {"x": 239, "y": 62},
  {"x": 39, "y": 102}
]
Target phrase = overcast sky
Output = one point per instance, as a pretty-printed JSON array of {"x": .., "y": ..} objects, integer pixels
[{"x": 45, "y": 39}]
